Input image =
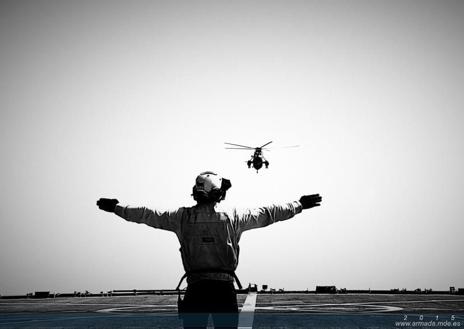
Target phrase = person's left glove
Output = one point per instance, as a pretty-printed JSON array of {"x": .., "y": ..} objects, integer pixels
[
  {"x": 107, "y": 204},
  {"x": 310, "y": 201}
]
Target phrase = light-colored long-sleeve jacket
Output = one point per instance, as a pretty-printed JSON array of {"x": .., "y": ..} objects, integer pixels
[{"x": 209, "y": 238}]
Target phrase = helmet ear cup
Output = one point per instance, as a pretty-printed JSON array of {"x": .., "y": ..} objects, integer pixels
[
  {"x": 194, "y": 193},
  {"x": 225, "y": 185}
]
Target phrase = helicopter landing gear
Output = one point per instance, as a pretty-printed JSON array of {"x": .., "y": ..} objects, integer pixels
[
  {"x": 266, "y": 163},
  {"x": 249, "y": 162}
]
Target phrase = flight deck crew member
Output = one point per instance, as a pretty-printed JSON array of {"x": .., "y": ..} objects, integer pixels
[{"x": 209, "y": 244}]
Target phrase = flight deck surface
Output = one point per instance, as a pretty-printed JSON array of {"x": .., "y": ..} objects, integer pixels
[{"x": 258, "y": 311}]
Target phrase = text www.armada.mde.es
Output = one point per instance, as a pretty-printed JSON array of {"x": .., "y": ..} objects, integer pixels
[{"x": 433, "y": 323}]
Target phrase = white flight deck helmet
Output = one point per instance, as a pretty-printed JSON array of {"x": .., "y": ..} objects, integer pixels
[{"x": 209, "y": 187}]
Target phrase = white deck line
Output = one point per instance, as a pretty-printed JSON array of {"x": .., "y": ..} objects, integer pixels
[{"x": 247, "y": 314}]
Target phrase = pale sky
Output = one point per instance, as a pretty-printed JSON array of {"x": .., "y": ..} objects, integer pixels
[{"x": 132, "y": 99}]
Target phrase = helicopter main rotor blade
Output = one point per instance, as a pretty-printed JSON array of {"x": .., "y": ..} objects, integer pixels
[
  {"x": 248, "y": 147},
  {"x": 236, "y": 148},
  {"x": 280, "y": 147},
  {"x": 265, "y": 144},
  {"x": 290, "y": 146}
]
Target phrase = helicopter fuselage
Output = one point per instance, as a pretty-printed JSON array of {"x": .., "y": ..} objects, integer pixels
[{"x": 257, "y": 160}]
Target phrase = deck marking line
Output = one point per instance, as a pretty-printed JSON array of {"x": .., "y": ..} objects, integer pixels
[{"x": 246, "y": 317}]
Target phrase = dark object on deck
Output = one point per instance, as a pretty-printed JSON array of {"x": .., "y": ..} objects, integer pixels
[
  {"x": 42, "y": 294},
  {"x": 326, "y": 289}
]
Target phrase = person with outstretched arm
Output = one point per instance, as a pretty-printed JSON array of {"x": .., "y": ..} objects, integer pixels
[{"x": 209, "y": 241}]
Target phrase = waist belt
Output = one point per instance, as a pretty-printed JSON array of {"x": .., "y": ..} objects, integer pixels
[{"x": 186, "y": 274}]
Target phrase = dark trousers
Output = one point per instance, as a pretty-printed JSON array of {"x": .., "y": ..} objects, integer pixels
[{"x": 206, "y": 297}]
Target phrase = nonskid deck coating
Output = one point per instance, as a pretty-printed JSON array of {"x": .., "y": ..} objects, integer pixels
[
  {"x": 271, "y": 311},
  {"x": 265, "y": 303},
  {"x": 359, "y": 303}
]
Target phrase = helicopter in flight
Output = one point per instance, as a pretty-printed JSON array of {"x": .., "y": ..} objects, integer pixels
[{"x": 257, "y": 159}]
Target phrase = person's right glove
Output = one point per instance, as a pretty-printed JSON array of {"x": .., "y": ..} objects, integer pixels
[
  {"x": 309, "y": 201},
  {"x": 107, "y": 204}
]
